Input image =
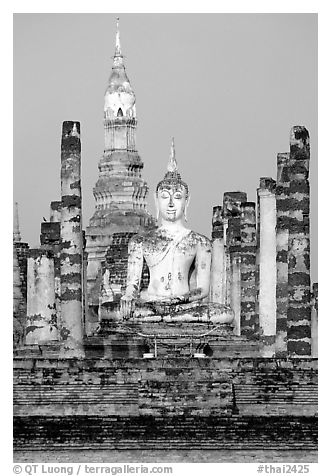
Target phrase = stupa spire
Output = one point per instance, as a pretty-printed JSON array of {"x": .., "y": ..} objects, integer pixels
[
  {"x": 119, "y": 96},
  {"x": 172, "y": 164},
  {"x": 172, "y": 177},
  {"x": 118, "y": 51},
  {"x": 16, "y": 230}
]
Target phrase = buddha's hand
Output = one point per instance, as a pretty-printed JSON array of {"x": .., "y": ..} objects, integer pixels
[
  {"x": 190, "y": 296},
  {"x": 127, "y": 306}
]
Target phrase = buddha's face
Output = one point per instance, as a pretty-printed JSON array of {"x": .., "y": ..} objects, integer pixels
[{"x": 171, "y": 202}]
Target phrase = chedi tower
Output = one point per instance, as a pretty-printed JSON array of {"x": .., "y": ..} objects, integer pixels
[{"x": 120, "y": 192}]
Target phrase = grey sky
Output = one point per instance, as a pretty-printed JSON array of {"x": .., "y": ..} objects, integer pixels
[{"x": 228, "y": 87}]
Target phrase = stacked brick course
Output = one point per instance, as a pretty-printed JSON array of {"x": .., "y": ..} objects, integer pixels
[{"x": 253, "y": 403}]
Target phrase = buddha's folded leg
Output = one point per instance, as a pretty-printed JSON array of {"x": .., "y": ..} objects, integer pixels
[{"x": 187, "y": 312}]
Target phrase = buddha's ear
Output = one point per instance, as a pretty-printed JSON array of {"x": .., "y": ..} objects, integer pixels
[
  {"x": 188, "y": 198},
  {"x": 186, "y": 207},
  {"x": 156, "y": 206}
]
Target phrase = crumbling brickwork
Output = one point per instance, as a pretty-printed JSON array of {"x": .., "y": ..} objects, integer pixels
[{"x": 180, "y": 404}]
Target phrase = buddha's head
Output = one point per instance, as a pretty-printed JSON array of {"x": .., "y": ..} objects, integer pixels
[{"x": 172, "y": 195}]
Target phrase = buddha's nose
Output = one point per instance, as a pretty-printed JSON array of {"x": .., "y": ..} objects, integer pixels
[{"x": 171, "y": 202}]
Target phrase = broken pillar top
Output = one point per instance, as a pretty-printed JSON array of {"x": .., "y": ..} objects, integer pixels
[
  {"x": 70, "y": 138},
  {"x": 217, "y": 215},
  {"x": 56, "y": 205},
  {"x": 217, "y": 222},
  {"x": 299, "y": 143},
  {"x": 232, "y": 202},
  {"x": 268, "y": 184}
]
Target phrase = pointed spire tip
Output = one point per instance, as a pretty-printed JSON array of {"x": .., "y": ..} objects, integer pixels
[
  {"x": 118, "y": 42},
  {"x": 172, "y": 165}
]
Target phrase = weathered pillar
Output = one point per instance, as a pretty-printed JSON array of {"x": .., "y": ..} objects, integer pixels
[
  {"x": 232, "y": 212},
  {"x": 248, "y": 318},
  {"x": 234, "y": 245},
  {"x": 267, "y": 265},
  {"x": 314, "y": 322},
  {"x": 41, "y": 316},
  {"x": 299, "y": 305},
  {"x": 218, "y": 259},
  {"x": 282, "y": 238},
  {"x": 235, "y": 290},
  {"x": 71, "y": 243}
]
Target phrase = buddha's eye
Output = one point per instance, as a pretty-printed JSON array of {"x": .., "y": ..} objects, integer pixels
[
  {"x": 178, "y": 195},
  {"x": 164, "y": 195}
]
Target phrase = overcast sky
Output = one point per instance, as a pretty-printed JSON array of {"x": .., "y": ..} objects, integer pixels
[{"x": 228, "y": 87}]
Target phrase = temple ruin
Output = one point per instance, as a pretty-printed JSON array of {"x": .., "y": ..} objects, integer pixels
[{"x": 247, "y": 384}]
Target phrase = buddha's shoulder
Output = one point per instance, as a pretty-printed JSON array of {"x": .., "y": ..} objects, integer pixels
[
  {"x": 145, "y": 237},
  {"x": 199, "y": 239},
  {"x": 136, "y": 240}
]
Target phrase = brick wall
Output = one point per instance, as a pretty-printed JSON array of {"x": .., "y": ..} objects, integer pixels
[
  {"x": 117, "y": 261},
  {"x": 175, "y": 403}
]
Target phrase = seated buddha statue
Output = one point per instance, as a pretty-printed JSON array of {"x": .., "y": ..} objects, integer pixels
[{"x": 178, "y": 260}]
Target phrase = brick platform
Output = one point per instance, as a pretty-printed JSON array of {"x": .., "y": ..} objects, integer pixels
[{"x": 169, "y": 403}]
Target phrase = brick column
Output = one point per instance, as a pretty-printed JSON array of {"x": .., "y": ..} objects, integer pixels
[
  {"x": 248, "y": 318},
  {"x": 299, "y": 306},
  {"x": 227, "y": 265},
  {"x": 267, "y": 265},
  {"x": 71, "y": 243},
  {"x": 232, "y": 212},
  {"x": 218, "y": 259},
  {"x": 41, "y": 315},
  {"x": 234, "y": 245},
  {"x": 282, "y": 237}
]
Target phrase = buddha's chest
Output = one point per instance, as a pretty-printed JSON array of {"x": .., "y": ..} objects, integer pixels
[{"x": 169, "y": 257}]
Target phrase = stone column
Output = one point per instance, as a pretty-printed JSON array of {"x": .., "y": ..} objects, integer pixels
[
  {"x": 299, "y": 305},
  {"x": 314, "y": 322},
  {"x": 267, "y": 265},
  {"x": 282, "y": 237},
  {"x": 248, "y": 319},
  {"x": 235, "y": 290},
  {"x": 41, "y": 315},
  {"x": 231, "y": 211},
  {"x": 71, "y": 243},
  {"x": 235, "y": 260},
  {"x": 218, "y": 259}
]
